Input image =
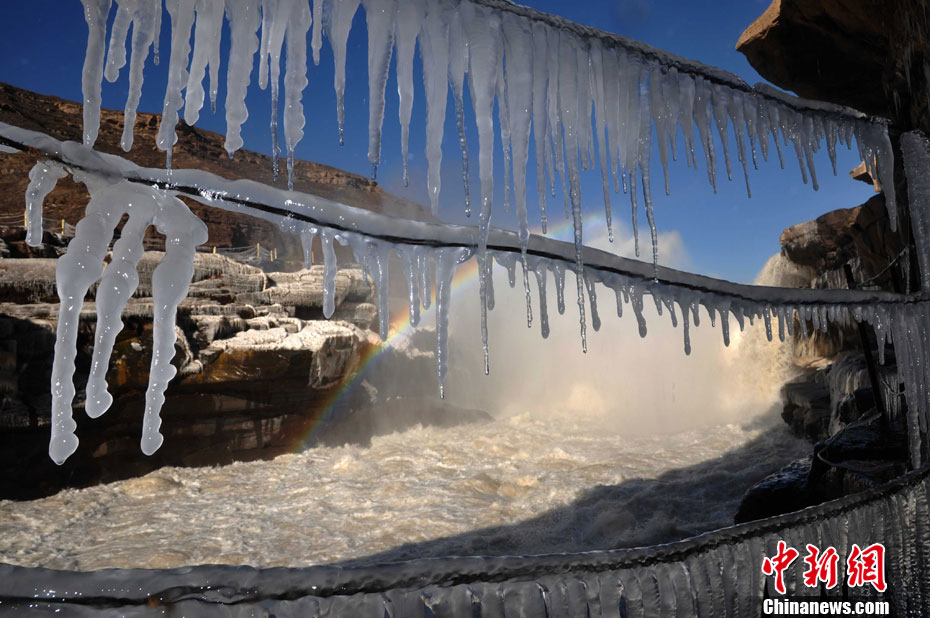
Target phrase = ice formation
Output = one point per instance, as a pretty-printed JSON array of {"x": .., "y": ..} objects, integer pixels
[
  {"x": 118, "y": 186},
  {"x": 543, "y": 72}
]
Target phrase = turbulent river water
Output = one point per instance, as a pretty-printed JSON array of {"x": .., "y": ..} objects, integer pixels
[
  {"x": 635, "y": 444},
  {"x": 501, "y": 487}
]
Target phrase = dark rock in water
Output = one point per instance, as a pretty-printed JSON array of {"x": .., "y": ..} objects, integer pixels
[
  {"x": 866, "y": 453},
  {"x": 807, "y": 409},
  {"x": 782, "y": 492}
]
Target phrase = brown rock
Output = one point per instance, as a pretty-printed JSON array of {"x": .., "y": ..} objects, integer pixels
[{"x": 867, "y": 54}]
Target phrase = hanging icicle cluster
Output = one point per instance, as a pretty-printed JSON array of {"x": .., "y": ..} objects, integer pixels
[
  {"x": 430, "y": 254},
  {"x": 545, "y": 74}
]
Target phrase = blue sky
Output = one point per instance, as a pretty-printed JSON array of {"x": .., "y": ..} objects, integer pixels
[{"x": 726, "y": 234}]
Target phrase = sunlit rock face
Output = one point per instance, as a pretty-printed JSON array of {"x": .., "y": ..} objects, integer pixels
[{"x": 868, "y": 54}]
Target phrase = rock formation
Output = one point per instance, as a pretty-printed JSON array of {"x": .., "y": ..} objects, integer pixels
[{"x": 261, "y": 372}]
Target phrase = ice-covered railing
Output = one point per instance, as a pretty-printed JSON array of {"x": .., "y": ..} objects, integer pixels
[
  {"x": 574, "y": 90},
  {"x": 148, "y": 195},
  {"x": 715, "y": 574}
]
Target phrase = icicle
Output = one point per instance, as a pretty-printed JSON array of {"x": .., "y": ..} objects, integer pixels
[
  {"x": 274, "y": 28},
  {"x": 540, "y": 60},
  {"x": 434, "y": 53},
  {"x": 518, "y": 46},
  {"x": 751, "y": 117},
  {"x": 380, "y": 16},
  {"x": 592, "y": 299},
  {"x": 555, "y": 122},
  {"x": 645, "y": 155},
  {"x": 775, "y": 123},
  {"x": 295, "y": 80},
  {"x": 611, "y": 110},
  {"x": 244, "y": 21},
  {"x": 585, "y": 99},
  {"x": 568, "y": 103},
  {"x": 446, "y": 258},
  {"x": 719, "y": 101},
  {"x": 482, "y": 27},
  {"x": 379, "y": 258},
  {"x": 306, "y": 243},
  {"x": 182, "y": 19},
  {"x": 600, "y": 104},
  {"x": 660, "y": 116},
  {"x": 43, "y": 177},
  {"x": 95, "y": 14},
  {"x": 503, "y": 117},
  {"x": 686, "y": 115},
  {"x": 458, "y": 64},
  {"x": 737, "y": 114},
  {"x": 170, "y": 281},
  {"x": 423, "y": 266},
  {"x": 409, "y": 259},
  {"x": 409, "y": 15},
  {"x": 157, "y": 9},
  {"x": 558, "y": 270},
  {"x": 341, "y": 13},
  {"x": 207, "y": 33},
  {"x": 117, "y": 285},
  {"x": 329, "y": 273},
  {"x": 144, "y": 33},
  {"x": 75, "y": 271},
  {"x": 686, "y": 329},
  {"x": 116, "y": 52},
  {"x": 317, "y": 37},
  {"x": 539, "y": 267},
  {"x": 702, "y": 118}
]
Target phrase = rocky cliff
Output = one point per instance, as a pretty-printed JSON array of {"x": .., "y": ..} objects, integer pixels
[{"x": 868, "y": 54}]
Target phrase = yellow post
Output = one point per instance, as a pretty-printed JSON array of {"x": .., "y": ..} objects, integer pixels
[
  {"x": 62, "y": 226},
  {"x": 214, "y": 248},
  {"x": 26, "y": 218},
  {"x": 258, "y": 250}
]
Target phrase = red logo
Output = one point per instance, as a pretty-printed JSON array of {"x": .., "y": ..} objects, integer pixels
[{"x": 863, "y": 566}]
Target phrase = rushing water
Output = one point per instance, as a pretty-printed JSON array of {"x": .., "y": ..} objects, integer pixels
[
  {"x": 633, "y": 444},
  {"x": 502, "y": 487}
]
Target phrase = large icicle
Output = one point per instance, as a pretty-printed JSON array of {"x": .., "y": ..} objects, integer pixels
[
  {"x": 95, "y": 14},
  {"x": 172, "y": 277},
  {"x": 207, "y": 32},
  {"x": 182, "y": 19},
  {"x": 483, "y": 30},
  {"x": 446, "y": 261},
  {"x": 434, "y": 52},
  {"x": 458, "y": 65},
  {"x": 540, "y": 113},
  {"x": 275, "y": 17},
  {"x": 410, "y": 14},
  {"x": 381, "y": 16},
  {"x": 244, "y": 21},
  {"x": 338, "y": 25},
  {"x": 43, "y": 177},
  {"x": 317, "y": 40},
  {"x": 75, "y": 271},
  {"x": 295, "y": 80},
  {"x": 117, "y": 285},
  {"x": 144, "y": 32}
]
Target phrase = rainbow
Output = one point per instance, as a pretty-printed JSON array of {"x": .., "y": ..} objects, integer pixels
[{"x": 466, "y": 277}]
